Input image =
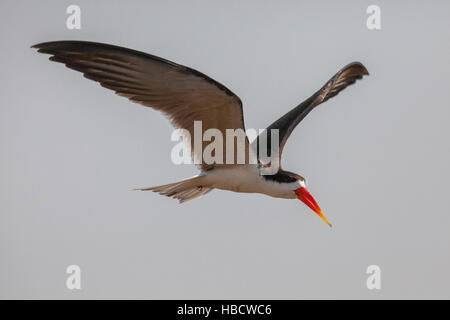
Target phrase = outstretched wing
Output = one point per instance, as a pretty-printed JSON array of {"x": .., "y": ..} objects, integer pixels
[
  {"x": 287, "y": 123},
  {"x": 184, "y": 95}
]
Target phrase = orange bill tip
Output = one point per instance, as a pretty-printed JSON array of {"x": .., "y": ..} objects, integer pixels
[{"x": 306, "y": 197}]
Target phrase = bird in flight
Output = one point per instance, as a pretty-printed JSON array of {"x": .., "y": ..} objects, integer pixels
[{"x": 185, "y": 95}]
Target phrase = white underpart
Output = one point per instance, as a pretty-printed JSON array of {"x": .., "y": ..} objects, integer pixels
[{"x": 246, "y": 179}]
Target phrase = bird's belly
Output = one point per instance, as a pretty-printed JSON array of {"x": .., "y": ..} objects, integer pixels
[
  {"x": 247, "y": 180},
  {"x": 234, "y": 179}
]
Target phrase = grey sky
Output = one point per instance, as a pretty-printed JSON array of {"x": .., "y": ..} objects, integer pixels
[{"x": 376, "y": 157}]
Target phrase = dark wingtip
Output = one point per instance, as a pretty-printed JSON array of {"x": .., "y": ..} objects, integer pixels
[
  {"x": 59, "y": 44},
  {"x": 41, "y": 45},
  {"x": 358, "y": 65},
  {"x": 36, "y": 46},
  {"x": 364, "y": 70}
]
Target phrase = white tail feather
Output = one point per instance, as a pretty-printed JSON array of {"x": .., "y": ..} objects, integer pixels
[{"x": 182, "y": 190}]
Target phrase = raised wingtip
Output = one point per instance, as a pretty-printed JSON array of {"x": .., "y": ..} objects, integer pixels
[
  {"x": 41, "y": 45},
  {"x": 44, "y": 45},
  {"x": 356, "y": 64},
  {"x": 364, "y": 70},
  {"x": 59, "y": 44},
  {"x": 35, "y": 46}
]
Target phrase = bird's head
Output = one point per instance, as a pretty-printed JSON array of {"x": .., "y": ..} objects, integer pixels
[{"x": 299, "y": 188}]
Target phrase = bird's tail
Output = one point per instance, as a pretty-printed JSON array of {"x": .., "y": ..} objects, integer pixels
[{"x": 182, "y": 190}]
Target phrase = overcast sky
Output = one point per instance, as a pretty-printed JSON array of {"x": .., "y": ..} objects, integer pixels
[{"x": 376, "y": 157}]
